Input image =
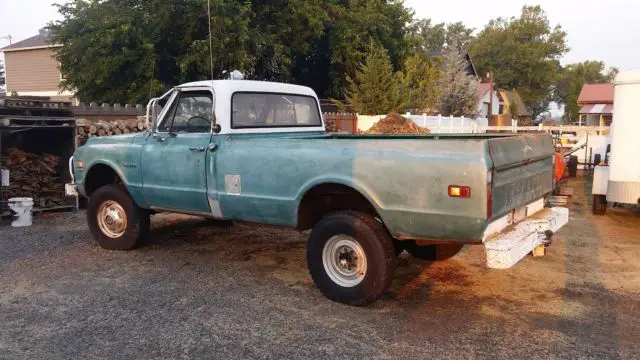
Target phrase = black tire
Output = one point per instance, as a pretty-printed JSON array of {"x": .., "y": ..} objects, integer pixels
[
  {"x": 378, "y": 249},
  {"x": 599, "y": 204},
  {"x": 398, "y": 246},
  {"x": 433, "y": 252},
  {"x": 137, "y": 219}
]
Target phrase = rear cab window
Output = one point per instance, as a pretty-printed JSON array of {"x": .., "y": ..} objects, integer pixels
[{"x": 268, "y": 110}]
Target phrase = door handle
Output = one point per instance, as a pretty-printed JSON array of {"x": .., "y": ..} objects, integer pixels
[
  {"x": 212, "y": 147},
  {"x": 197, "y": 149}
]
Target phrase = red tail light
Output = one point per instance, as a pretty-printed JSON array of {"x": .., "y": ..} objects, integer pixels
[{"x": 459, "y": 191}]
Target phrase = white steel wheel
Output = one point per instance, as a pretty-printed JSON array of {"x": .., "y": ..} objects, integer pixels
[
  {"x": 112, "y": 219},
  {"x": 344, "y": 260}
]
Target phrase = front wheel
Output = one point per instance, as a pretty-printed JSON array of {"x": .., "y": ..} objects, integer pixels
[
  {"x": 115, "y": 221},
  {"x": 351, "y": 257}
]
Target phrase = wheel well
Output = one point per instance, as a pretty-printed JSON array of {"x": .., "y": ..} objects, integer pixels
[
  {"x": 100, "y": 175},
  {"x": 327, "y": 198}
]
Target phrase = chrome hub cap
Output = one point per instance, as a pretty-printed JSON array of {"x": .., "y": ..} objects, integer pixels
[
  {"x": 344, "y": 260},
  {"x": 112, "y": 219}
]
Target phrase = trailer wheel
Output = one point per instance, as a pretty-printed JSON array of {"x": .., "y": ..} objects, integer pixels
[
  {"x": 351, "y": 257},
  {"x": 115, "y": 221},
  {"x": 433, "y": 252},
  {"x": 599, "y": 204}
]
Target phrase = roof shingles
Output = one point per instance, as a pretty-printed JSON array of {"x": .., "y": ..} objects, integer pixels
[{"x": 34, "y": 41}]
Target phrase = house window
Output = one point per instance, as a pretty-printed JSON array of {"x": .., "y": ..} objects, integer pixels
[{"x": 501, "y": 109}]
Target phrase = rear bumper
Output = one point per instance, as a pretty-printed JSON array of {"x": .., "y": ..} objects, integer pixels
[{"x": 505, "y": 248}]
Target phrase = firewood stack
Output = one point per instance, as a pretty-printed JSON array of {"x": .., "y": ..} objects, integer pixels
[
  {"x": 34, "y": 175},
  {"x": 107, "y": 128}
]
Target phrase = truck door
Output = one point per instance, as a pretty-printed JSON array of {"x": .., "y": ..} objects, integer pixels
[{"x": 174, "y": 164}]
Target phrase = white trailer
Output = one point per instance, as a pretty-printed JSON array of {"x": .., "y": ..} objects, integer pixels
[{"x": 619, "y": 180}]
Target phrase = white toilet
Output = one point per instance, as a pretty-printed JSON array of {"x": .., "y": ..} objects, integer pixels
[{"x": 22, "y": 208}]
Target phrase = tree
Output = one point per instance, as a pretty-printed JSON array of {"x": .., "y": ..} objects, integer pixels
[
  {"x": 458, "y": 90},
  {"x": 420, "y": 79},
  {"x": 347, "y": 35},
  {"x": 458, "y": 36},
  {"x": 129, "y": 50},
  {"x": 428, "y": 38},
  {"x": 375, "y": 89},
  {"x": 572, "y": 79},
  {"x": 524, "y": 55},
  {"x": 431, "y": 38},
  {"x": 2, "y": 76}
]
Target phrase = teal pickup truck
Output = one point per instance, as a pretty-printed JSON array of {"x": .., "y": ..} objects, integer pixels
[{"x": 257, "y": 151}]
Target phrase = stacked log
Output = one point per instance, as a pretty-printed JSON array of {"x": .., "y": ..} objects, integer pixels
[
  {"x": 33, "y": 175},
  {"x": 86, "y": 130}
]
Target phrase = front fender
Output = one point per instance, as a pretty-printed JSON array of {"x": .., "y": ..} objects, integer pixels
[{"x": 82, "y": 174}]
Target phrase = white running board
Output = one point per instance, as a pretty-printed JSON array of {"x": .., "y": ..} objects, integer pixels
[{"x": 507, "y": 248}]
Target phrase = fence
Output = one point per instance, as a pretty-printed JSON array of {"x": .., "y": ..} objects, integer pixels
[
  {"x": 341, "y": 122},
  {"x": 449, "y": 124},
  {"x": 108, "y": 112},
  {"x": 436, "y": 124}
]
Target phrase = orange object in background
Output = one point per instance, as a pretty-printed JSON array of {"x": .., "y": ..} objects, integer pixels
[{"x": 560, "y": 165}]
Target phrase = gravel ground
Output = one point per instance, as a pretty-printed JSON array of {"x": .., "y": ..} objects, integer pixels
[{"x": 202, "y": 289}]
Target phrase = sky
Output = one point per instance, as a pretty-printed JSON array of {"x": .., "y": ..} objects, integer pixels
[{"x": 597, "y": 30}]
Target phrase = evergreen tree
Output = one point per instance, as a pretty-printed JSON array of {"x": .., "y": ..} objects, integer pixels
[
  {"x": 420, "y": 81},
  {"x": 375, "y": 89},
  {"x": 458, "y": 90}
]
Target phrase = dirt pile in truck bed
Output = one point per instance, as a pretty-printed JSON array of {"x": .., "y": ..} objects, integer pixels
[{"x": 396, "y": 124}]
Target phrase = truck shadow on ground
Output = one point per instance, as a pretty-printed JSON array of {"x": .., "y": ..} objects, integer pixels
[{"x": 280, "y": 250}]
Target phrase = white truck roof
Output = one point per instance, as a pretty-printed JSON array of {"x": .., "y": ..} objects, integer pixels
[
  {"x": 231, "y": 86},
  {"x": 224, "y": 89}
]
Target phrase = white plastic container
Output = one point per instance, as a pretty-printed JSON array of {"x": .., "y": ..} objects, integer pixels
[
  {"x": 4, "y": 174},
  {"x": 22, "y": 208},
  {"x": 624, "y": 163}
]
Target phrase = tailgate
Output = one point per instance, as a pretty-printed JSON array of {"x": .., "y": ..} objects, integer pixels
[{"x": 522, "y": 170}]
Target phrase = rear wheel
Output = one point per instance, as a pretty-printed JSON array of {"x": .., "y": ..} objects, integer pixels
[
  {"x": 351, "y": 257},
  {"x": 432, "y": 252},
  {"x": 599, "y": 204},
  {"x": 115, "y": 221}
]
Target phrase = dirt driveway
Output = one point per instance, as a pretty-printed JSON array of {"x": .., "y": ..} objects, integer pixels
[{"x": 202, "y": 289}]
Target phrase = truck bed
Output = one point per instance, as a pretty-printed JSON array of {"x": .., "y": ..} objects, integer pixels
[{"x": 405, "y": 177}]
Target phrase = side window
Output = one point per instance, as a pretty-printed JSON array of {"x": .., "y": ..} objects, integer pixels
[
  {"x": 257, "y": 110},
  {"x": 190, "y": 113}
]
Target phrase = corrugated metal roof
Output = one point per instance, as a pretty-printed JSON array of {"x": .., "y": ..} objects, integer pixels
[
  {"x": 596, "y": 94},
  {"x": 604, "y": 109}
]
